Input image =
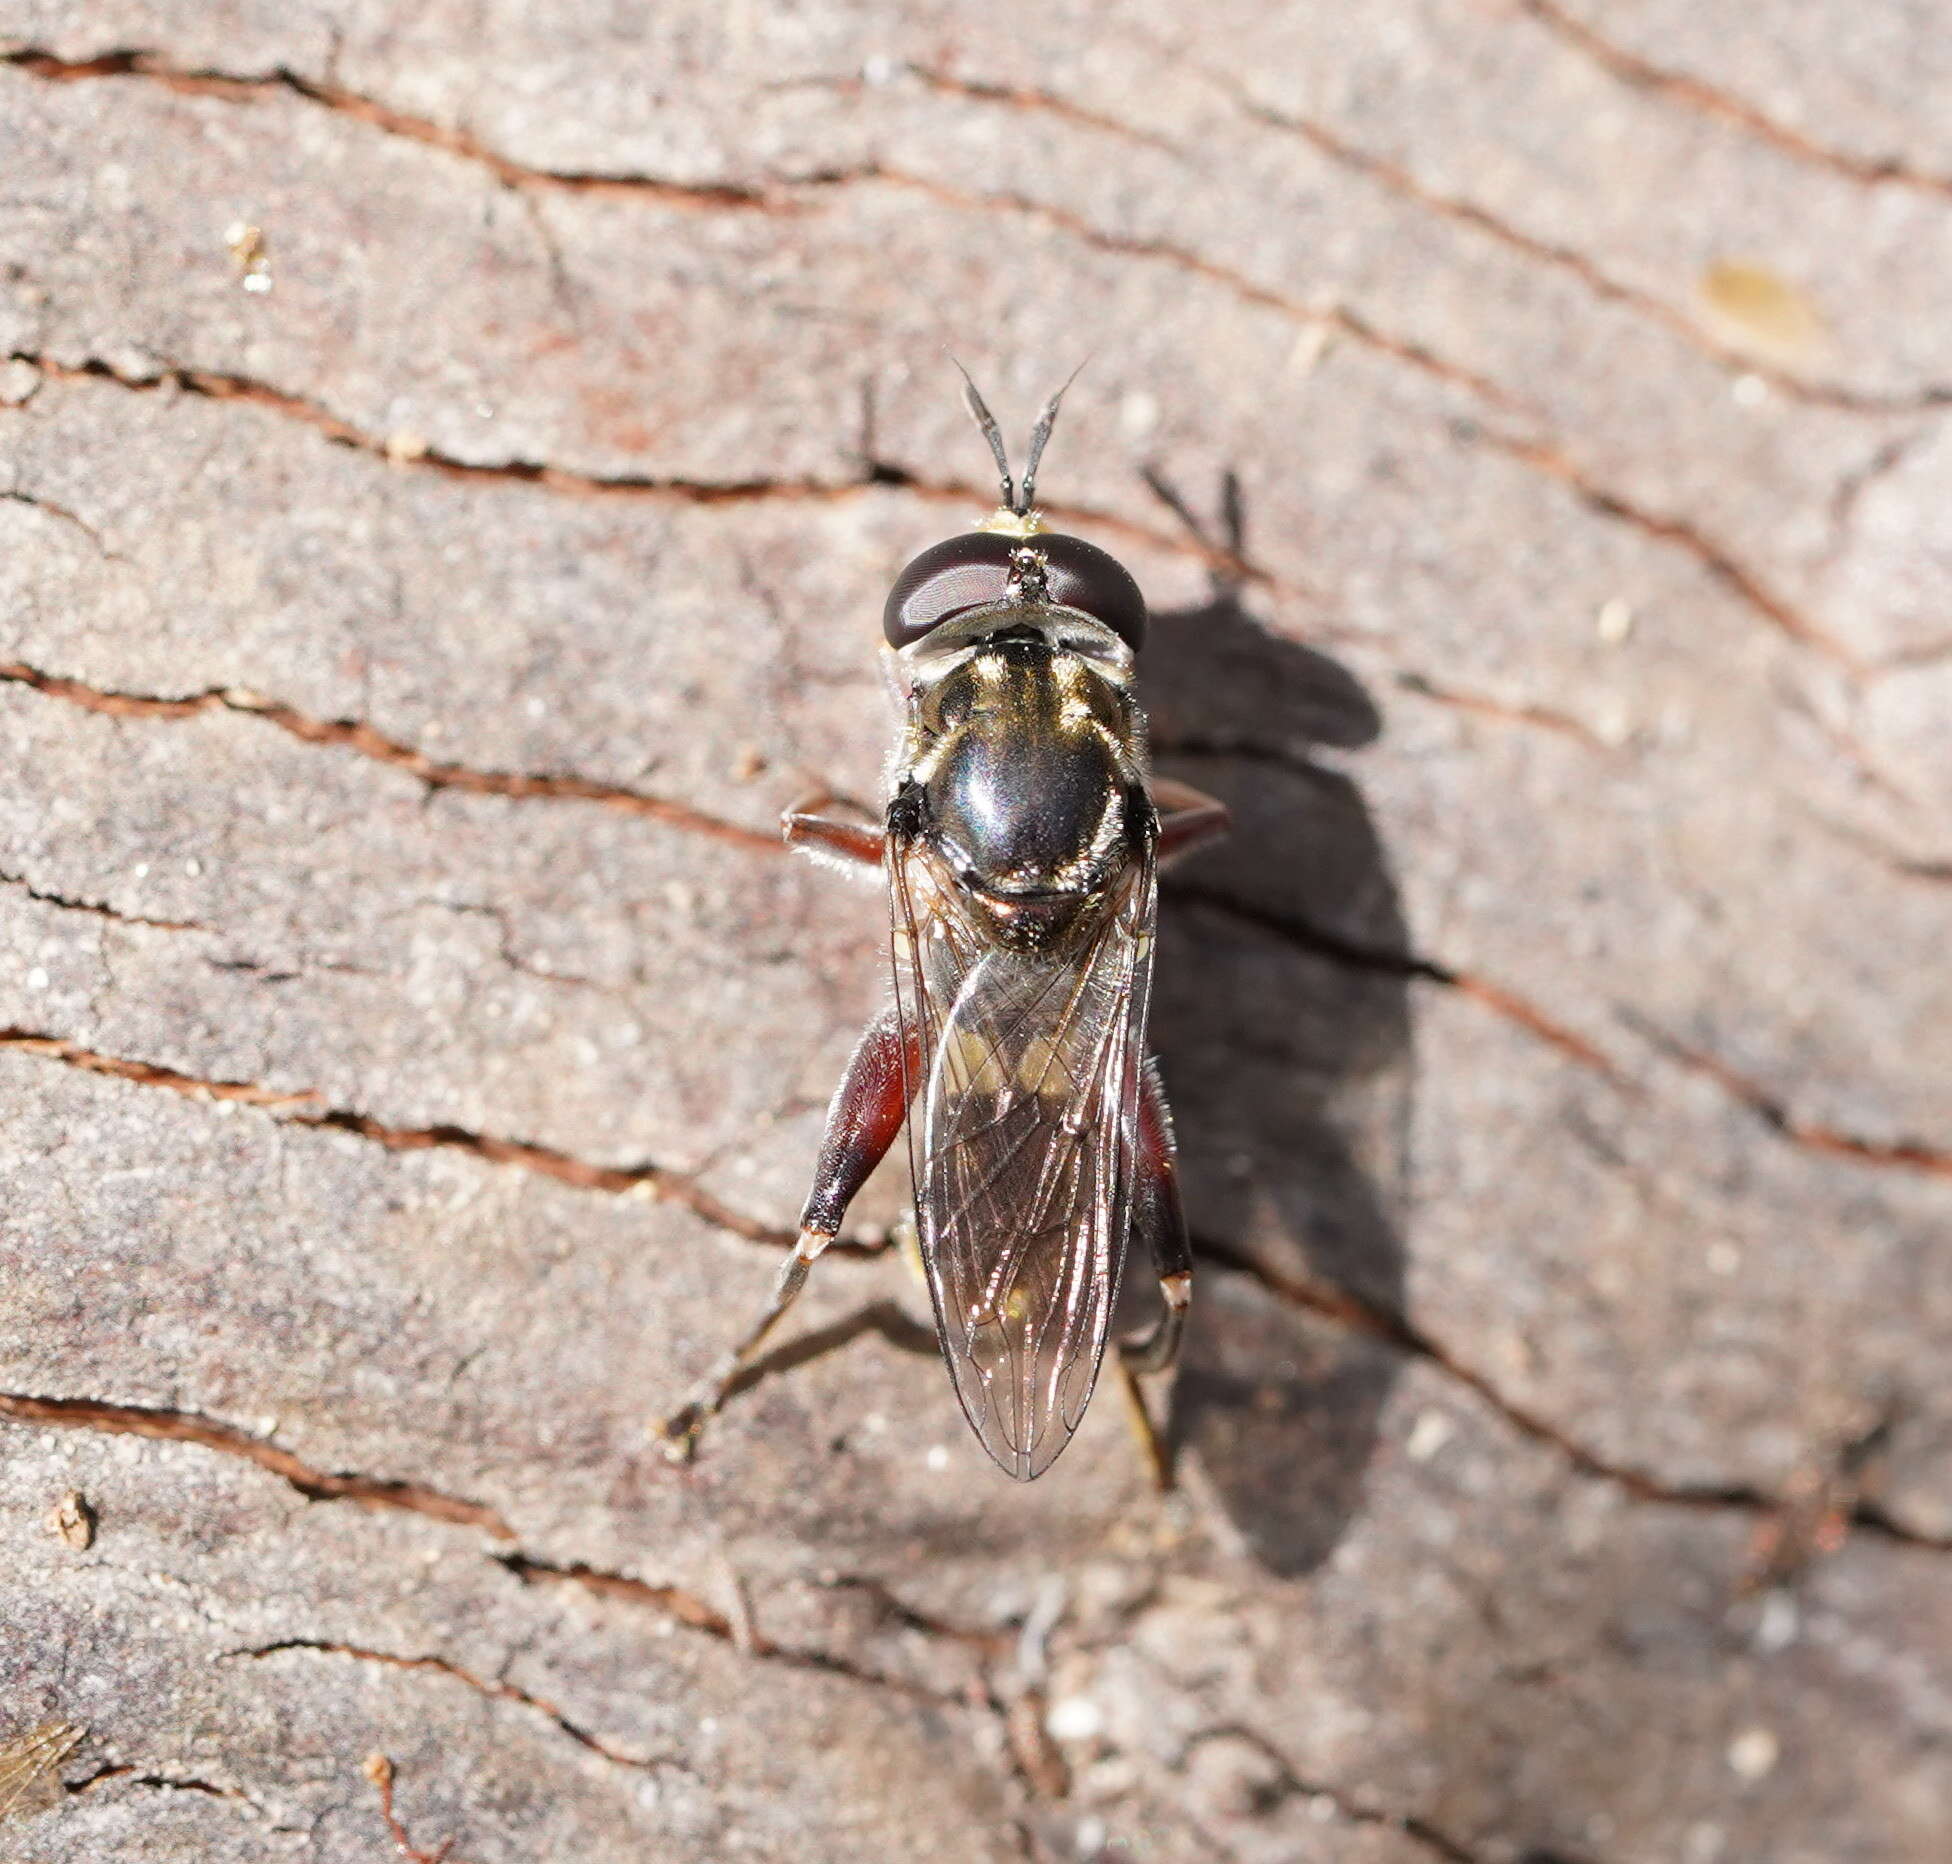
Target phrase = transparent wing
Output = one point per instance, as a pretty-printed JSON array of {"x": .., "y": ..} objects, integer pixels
[
  {"x": 30, "y": 1767},
  {"x": 1022, "y": 1145}
]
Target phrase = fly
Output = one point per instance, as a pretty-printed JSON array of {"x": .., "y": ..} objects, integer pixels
[{"x": 1021, "y": 844}]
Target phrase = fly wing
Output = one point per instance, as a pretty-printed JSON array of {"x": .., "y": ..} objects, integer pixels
[
  {"x": 30, "y": 1768},
  {"x": 1022, "y": 1147}
]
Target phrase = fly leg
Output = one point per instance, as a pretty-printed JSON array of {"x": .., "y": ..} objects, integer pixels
[
  {"x": 862, "y": 1122},
  {"x": 1159, "y": 1222},
  {"x": 1188, "y": 818},
  {"x": 853, "y": 840}
]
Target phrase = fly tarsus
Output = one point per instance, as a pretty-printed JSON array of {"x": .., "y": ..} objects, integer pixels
[{"x": 678, "y": 1434}]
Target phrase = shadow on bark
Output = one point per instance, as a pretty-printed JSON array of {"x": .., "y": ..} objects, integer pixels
[{"x": 1290, "y": 1073}]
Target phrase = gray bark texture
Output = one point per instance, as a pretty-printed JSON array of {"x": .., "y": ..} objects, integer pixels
[{"x": 413, "y": 1039}]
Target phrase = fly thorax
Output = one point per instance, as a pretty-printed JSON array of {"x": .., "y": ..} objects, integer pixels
[{"x": 1025, "y": 778}]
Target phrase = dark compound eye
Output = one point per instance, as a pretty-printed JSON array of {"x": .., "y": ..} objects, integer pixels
[
  {"x": 962, "y": 573},
  {"x": 947, "y": 579},
  {"x": 1080, "y": 575}
]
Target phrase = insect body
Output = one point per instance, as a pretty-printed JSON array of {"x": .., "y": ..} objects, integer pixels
[{"x": 1021, "y": 844}]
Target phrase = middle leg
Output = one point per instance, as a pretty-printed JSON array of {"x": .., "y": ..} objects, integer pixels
[{"x": 1188, "y": 818}]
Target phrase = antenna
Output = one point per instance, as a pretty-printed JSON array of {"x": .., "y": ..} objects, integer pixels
[
  {"x": 1039, "y": 435},
  {"x": 1015, "y": 502},
  {"x": 979, "y": 412}
]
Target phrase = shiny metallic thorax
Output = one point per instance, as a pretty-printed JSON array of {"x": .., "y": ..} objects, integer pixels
[{"x": 1022, "y": 755}]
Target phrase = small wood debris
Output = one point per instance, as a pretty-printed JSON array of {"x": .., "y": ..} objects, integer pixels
[
  {"x": 379, "y": 1770},
  {"x": 250, "y": 255},
  {"x": 19, "y": 378},
  {"x": 1761, "y": 310},
  {"x": 72, "y": 1521},
  {"x": 1819, "y": 1503}
]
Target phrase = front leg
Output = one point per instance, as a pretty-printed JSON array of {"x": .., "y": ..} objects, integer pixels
[
  {"x": 866, "y": 1114},
  {"x": 855, "y": 840}
]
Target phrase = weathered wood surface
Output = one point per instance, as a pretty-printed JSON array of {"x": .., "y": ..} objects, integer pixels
[{"x": 400, "y": 1109}]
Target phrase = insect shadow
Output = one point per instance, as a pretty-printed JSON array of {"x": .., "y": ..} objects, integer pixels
[{"x": 1281, "y": 1021}]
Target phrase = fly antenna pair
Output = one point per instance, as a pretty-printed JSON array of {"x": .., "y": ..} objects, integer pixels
[{"x": 1017, "y": 500}]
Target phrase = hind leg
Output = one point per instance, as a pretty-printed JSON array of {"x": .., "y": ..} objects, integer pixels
[
  {"x": 867, "y": 1112},
  {"x": 1159, "y": 1223}
]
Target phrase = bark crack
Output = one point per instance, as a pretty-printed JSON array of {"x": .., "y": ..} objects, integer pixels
[
  {"x": 1853, "y": 486},
  {"x": 1396, "y": 1330},
  {"x": 229, "y": 385},
  {"x": 154, "y": 1781},
  {"x": 1911, "y": 659},
  {"x": 1399, "y": 181},
  {"x": 1775, "y": 1112},
  {"x": 319, "y": 1485},
  {"x": 1682, "y": 534},
  {"x": 1319, "y": 942},
  {"x": 1908, "y": 1154},
  {"x": 1904, "y": 864},
  {"x": 657, "y": 1182},
  {"x": 1345, "y": 1805},
  {"x": 96, "y": 908},
  {"x": 1510, "y": 712},
  {"x": 495, "y": 1690},
  {"x": 281, "y": 80},
  {"x": 676, "y": 1603},
  {"x": 873, "y": 474},
  {"x": 1710, "y": 99},
  {"x": 1537, "y": 456},
  {"x": 1330, "y": 316},
  {"x": 33, "y": 501},
  {"x": 1029, "y": 98},
  {"x": 698, "y": 1614},
  {"x": 367, "y": 741},
  {"x": 160, "y": 1782},
  {"x": 1016, "y": 1711}
]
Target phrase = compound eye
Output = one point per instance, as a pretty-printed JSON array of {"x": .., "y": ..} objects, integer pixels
[
  {"x": 1080, "y": 575},
  {"x": 946, "y": 580}
]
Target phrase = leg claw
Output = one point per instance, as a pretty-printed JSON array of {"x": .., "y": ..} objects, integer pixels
[{"x": 677, "y": 1435}]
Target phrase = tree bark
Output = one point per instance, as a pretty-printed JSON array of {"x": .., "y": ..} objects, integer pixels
[{"x": 451, "y": 459}]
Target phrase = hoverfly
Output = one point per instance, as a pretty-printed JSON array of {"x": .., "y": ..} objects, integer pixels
[{"x": 1021, "y": 843}]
